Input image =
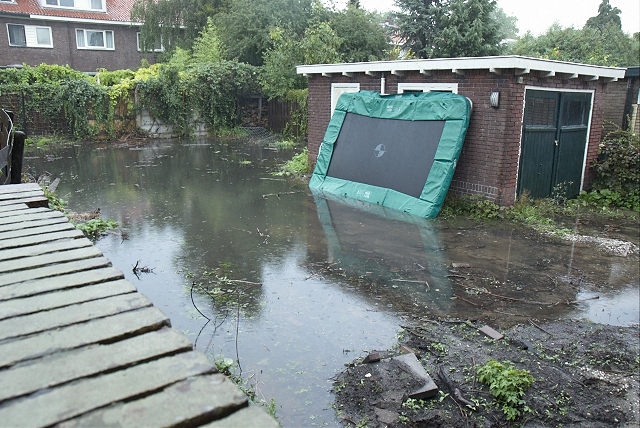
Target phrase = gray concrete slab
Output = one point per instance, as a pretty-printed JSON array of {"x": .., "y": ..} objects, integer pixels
[
  {"x": 42, "y": 321},
  {"x": 28, "y": 224},
  {"x": 43, "y": 248},
  {"x": 18, "y": 242},
  {"x": 58, "y": 299},
  {"x": 17, "y": 209},
  {"x": 60, "y": 282},
  {"x": 102, "y": 330},
  {"x": 64, "y": 367},
  {"x": 31, "y": 215},
  {"x": 72, "y": 400},
  {"x": 18, "y": 188},
  {"x": 188, "y": 403},
  {"x": 251, "y": 417},
  {"x": 13, "y": 207},
  {"x": 32, "y": 201},
  {"x": 49, "y": 259},
  {"x": 53, "y": 270},
  {"x": 6, "y": 237}
]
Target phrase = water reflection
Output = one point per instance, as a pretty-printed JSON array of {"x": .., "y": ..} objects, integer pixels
[{"x": 296, "y": 285}]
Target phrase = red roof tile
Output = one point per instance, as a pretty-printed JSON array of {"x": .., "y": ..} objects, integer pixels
[{"x": 117, "y": 10}]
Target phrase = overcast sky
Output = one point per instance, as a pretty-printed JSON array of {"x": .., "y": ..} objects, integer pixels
[{"x": 538, "y": 15}]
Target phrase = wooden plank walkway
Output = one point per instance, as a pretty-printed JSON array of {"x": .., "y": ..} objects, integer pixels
[{"x": 79, "y": 346}]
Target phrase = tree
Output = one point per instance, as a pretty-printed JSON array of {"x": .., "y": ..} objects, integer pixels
[
  {"x": 449, "y": 28},
  {"x": 320, "y": 45},
  {"x": 588, "y": 46},
  {"x": 468, "y": 29},
  {"x": 607, "y": 15},
  {"x": 362, "y": 34},
  {"x": 508, "y": 24},
  {"x": 418, "y": 24},
  {"x": 244, "y": 26},
  {"x": 174, "y": 23},
  {"x": 208, "y": 47}
]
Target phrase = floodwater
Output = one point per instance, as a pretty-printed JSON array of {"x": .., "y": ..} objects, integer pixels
[{"x": 293, "y": 285}]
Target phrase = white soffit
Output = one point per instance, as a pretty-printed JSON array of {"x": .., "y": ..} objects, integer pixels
[{"x": 494, "y": 64}]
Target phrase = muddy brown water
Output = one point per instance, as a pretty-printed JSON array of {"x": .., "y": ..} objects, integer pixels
[{"x": 295, "y": 285}]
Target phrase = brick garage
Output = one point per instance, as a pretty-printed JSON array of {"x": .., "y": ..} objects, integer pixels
[{"x": 490, "y": 159}]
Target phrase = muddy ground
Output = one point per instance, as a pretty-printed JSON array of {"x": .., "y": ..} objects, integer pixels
[{"x": 586, "y": 375}]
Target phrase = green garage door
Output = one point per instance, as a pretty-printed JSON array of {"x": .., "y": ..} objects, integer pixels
[{"x": 554, "y": 138}]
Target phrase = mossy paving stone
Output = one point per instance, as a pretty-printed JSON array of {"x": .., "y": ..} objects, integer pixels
[
  {"x": 77, "y": 398},
  {"x": 34, "y": 323},
  {"x": 60, "y": 282},
  {"x": 64, "y": 367},
  {"x": 58, "y": 299},
  {"x": 108, "y": 329},
  {"x": 53, "y": 270},
  {"x": 188, "y": 403}
]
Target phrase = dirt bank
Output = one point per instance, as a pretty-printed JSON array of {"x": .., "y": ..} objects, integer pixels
[{"x": 585, "y": 375}]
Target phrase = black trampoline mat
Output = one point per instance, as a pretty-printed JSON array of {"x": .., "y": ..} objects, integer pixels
[{"x": 388, "y": 153}]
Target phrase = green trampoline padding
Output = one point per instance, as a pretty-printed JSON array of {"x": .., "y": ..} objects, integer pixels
[{"x": 398, "y": 151}]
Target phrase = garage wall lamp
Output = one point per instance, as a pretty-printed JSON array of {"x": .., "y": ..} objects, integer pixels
[{"x": 494, "y": 99}]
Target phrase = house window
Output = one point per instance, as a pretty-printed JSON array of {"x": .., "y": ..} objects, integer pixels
[
  {"x": 427, "y": 87},
  {"x": 94, "y": 39},
  {"x": 31, "y": 36},
  {"x": 156, "y": 48},
  {"x": 76, "y": 4},
  {"x": 338, "y": 89}
]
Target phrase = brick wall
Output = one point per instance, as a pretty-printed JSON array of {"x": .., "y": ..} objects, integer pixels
[
  {"x": 65, "y": 51},
  {"x": 616, "y": 94},
  {"x": 488, "y": 164}
]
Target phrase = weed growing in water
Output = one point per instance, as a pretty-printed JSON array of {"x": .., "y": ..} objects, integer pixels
[
  {"x": 96, "y": 227},
  {"x": 296, "y": 166},
  {"x": 284, "y": 144}
]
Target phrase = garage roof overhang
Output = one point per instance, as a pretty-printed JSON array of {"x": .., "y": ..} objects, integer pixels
[{"x": 517, "y": 65}]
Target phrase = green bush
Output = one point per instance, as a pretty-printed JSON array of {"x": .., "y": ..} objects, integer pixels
[{"x": 617, "y": 171}]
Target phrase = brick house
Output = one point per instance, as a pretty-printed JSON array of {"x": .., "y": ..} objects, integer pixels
[
  {"x": 85, "y": 34},
  {"x": 535, "y": 126},
  {"x": 621, "y": 106}
]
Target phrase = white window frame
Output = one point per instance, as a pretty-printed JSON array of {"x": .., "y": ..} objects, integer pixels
[
  {"x": 161, "y": 49},
  {"x": 31, "y": 36},
  {"x": 428, "y": 87},
  {"x": 104, "y": 38},
  {"x": 338, "y": 89},
  {"x": 77, "y": 5}
]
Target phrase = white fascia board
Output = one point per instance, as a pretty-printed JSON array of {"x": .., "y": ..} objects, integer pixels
[
  {"x": 84, "y": 20},
  {"x": 479, "y": 63}
]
